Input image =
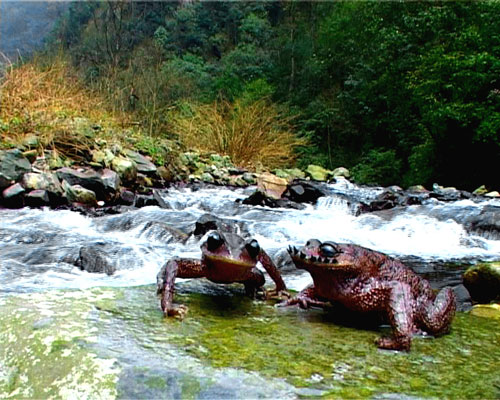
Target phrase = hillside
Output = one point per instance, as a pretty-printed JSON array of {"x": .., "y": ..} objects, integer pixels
[{"x": 401, "y": 93}]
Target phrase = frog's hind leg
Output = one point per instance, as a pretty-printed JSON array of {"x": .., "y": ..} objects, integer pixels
[
  {"x": 176, "y": 267},
  {"x": 435, "y": 316}
]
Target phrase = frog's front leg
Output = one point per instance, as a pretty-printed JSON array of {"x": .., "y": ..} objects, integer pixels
[
  {"x": 305, "y": 299},
  {"x": 176, "y": 267},
  {"x": 254, "y": 283},
  {"x": 280, "y": 289}
]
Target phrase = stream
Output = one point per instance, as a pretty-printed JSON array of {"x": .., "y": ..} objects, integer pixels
[{"x": 67, "y": 333}]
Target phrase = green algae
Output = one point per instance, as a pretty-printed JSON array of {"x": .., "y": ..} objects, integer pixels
[
  {"x": 106, "y": 343},
  {"x": 44, "y": 353},
  {"x": 309, "y": 350}
]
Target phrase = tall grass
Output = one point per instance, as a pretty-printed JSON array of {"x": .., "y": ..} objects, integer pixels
[
  {"x": 251, "y": 134},
  {"x": 42, "y": 98}
]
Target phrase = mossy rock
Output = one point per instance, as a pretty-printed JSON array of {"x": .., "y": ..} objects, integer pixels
[
  {"x": 483, "y": 282},
  {"x": 318, "y": 173},
  {"x": 486, "y": 310},
  {"x": 108, "y": 342}
]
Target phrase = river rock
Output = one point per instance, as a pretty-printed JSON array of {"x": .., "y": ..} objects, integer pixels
[
  {"x": 341, "y": 172},
  {"x": 125, "y": 168},
  {"x": 318, "y": 173},
  {"x": 483, "y": 282},
  {"x": 13, "y": 196},
  {"x": 271, "y": 186},
  {"x": 303, "y": 192},
  {"x": 79, "y": 194},
  {"x": 143, "y": 164},
  {"x": 480, "y": 190},
  {"x": 486, "y": 310},
  {"x": 289, "y": 174},
  {"x": 493, "y": 194},
  {"x": 111, "y": 183},
  {"x": 37, "y": 198},
  {"x": 258, "y": 198},
  {"x": 43, "y": 181},
  {"x": 13, "y": 165},
  {"x": 487, "y": 223},
  {"x": 93, "y": 260},
  {"x": 104, "y": 184},
  {"x": 126, "y": 198},
  {"x": 446, "y": 193}
]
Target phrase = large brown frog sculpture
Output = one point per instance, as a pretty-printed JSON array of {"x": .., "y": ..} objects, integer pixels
[
  {"x": 365, "y": 280},
  {"x": 226, "y": 258}
]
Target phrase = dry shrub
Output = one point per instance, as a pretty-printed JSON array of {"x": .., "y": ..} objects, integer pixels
[
  {"x": 251, "y": 134},
  {"x": 42, "y": 98}
]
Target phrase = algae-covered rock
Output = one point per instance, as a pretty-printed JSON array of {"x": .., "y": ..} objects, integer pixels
[
  {"x": 486, "y": 310},
  {"x": 79, "y": 194},
  {"x": 125, "y": 168},
  {"x": 207, "y": 177},
  {"x": 290, "y": 174},
  {"x": 481, "y": 190},
  {"x": 106, "y": 343},
  {"x": 43, "y": 181},
  {"x": 45, "y": 348},
  {"x": 483, "y": 282},
  {"x": 318, "y": 173}
]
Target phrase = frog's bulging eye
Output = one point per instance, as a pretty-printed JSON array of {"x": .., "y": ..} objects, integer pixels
[
  {"x": 328, "y": 250},
  {"x": 214, "y": 241},
  {"x": 253, "y": 248}
]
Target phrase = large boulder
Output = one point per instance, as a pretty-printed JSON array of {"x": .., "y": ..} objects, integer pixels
[
  {"x": 105, "y": 184},
  {"x": 483, "y": 282},
  {"x": 13, "y": 165}
]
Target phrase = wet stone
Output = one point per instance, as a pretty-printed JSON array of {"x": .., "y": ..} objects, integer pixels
[{"x": 37, "y": 198}]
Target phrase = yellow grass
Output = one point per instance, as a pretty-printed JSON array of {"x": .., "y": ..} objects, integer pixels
[
  {"x": 43, "y": 99},
  {"x": 251, "y": 134}
]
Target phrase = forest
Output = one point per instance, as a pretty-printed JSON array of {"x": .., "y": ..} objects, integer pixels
[{"x": 399, "y": 92}]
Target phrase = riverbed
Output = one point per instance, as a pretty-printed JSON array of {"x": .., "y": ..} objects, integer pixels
[{"x": 67, "y": 333}]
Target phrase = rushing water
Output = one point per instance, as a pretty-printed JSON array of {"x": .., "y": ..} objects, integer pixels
[
  {"x": 108, "y": 338},
  {"x": 38, "y": 247}
]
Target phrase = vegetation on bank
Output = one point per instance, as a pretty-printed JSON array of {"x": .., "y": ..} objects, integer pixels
[{"x": 401, "y": 93}]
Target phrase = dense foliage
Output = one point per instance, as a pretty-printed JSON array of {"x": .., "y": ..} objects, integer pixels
[{"x": 404, "y": 92}]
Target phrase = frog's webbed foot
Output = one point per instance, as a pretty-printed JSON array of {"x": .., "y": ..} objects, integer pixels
[
  {"x": 305, "y": 299},
  {"x": 176, "y": 267},
  {"x": 392, "y": 343},
  {"x": 276, "y": 294},
  {"x": 176, "y": 310}
]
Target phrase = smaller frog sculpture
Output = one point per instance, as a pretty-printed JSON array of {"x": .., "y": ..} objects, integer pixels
[
  {"x": 226, "y": 258},
  {"x": 365, "y": 280}
]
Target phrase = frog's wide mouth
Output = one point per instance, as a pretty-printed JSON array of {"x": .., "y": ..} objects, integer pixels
[
  {"x": 304, "y": 257},
  {"x": 229, "y": 262}
]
